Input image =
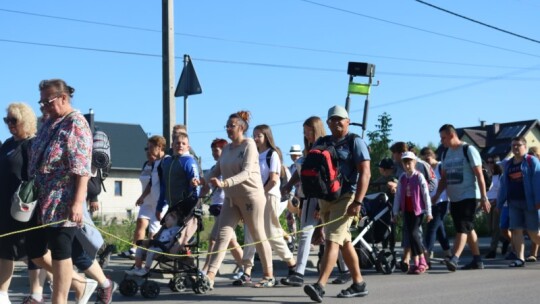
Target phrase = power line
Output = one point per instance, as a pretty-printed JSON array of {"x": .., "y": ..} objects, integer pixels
[
  {"x": 268, "y": 65},
  {"x": 479, "y": 22},
  {"x": 262, "y": 43},
  {"x": 419, "y": 29}
]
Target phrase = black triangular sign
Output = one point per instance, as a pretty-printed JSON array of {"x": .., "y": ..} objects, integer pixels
[{"x": 189, "y": 83}]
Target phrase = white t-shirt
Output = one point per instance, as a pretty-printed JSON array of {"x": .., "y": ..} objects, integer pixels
[
  {"x": 275, "y": 166},
  {"x": 460, "y": 178}
]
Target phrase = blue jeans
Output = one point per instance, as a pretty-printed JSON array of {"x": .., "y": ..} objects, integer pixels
[
  {"x": 80, "y": 258},
  {"x": 435, "y": 228}
]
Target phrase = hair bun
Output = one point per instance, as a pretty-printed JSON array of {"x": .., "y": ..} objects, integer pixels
[{"x": 245, "y": 115}]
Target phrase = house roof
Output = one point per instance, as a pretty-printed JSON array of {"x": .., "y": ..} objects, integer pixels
[
  {"x": 495, "y": 139},
  {"x": 127, "y": 144}
]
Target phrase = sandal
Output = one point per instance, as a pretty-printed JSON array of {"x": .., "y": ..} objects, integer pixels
[
  {"x": 356, "y": 290},
  {"x": 531, "y": 258},
  {"x": 266, "y": 283},
  {"x": 517, "y": 263},
  {"x": 420, "y": 269}
]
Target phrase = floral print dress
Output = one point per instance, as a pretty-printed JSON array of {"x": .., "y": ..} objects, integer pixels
[{"x": 61, "y": 151}]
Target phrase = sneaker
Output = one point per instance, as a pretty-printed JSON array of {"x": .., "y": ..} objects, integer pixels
[
  {"x": 266, "y": 282},
  {"x": 451, "y": 263},
  {"x": 128, "y": 254},
  {"x": 30, "y": 300},
  {"x": 356, "y": 290},
  {"x": 4, "y": 299},
  {"x": 132, "y": 271},
  {"x": 343, "y": 278},
  {"x": 244, "y": 279},
  {"x": 104, "y": 257},
  {"x": 140, "y": 272},
  {"x": 88, "y": 291},
  {"x": 104, "y": 295},
  {"x": 237, "y": 275},
  {"x": 315, "y": 292},
  {"x": 473, "y": 265},
  {"x": 295, "y": 280},
  {"x": 491, "y": 255}
]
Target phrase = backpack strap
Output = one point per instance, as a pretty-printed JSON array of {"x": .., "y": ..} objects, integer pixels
[
  {"x": 268, "y": 159},
  {"x": 466, "y": 152}
]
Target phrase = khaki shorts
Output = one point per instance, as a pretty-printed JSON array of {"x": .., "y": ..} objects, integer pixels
[{"x": 337, "y": 231}]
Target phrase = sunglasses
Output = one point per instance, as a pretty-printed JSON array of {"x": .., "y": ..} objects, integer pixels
[
  {"x": 45, "y": 102},
  {"x": 10, "y": 120}
]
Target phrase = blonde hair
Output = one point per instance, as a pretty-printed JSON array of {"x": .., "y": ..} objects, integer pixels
[{"x": 25, "y": 115}]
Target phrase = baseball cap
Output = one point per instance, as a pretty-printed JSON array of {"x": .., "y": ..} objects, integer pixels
[
  {"x": 386, "y": 163},
  {"x": 338, "y": 111},
  {"x": 295, "y": 150},
  {"x": 408, "y": 154}
]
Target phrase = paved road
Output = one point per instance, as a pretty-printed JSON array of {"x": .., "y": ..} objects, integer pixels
[{"x": 496, "y": 284}]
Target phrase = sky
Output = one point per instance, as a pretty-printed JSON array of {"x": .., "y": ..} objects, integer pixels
[{"x": 283, "y": 60}]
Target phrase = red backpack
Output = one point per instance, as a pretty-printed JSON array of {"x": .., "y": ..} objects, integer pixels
[{"x": 320, "y": 173}]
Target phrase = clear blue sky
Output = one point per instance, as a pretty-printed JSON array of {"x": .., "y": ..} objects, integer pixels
[{"x": 283, "y": 60}]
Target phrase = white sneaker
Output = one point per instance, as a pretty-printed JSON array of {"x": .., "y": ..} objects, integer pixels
[
  {"x": 237, "y": 275},
  {"x": 132, "y": 271},
  {"x": 4, "y": 299},
  {"x": 140, "y": 272},
  {"x": 88, "y": 291}
]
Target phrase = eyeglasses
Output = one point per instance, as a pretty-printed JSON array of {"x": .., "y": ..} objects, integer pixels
[
  {"x": 10, "y": 120},
  {"x": 43, "y": 103},
  {"x": 232, "y": 126}
]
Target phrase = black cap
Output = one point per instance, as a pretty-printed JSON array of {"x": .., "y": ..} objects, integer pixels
[{"x": 386, "y": 163}]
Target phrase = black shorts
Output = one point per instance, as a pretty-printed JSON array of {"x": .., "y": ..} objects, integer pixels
[
  {"x": 12, "y": 247},
  {"x": 463, "y": 214},
  {"x": 57, "y": 239}
]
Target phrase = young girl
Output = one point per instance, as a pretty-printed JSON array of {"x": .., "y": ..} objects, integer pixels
[
  {"x": 161, "y": 243},
  {"x": 412, "y": 199}
]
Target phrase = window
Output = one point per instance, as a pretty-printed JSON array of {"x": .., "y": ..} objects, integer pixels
[{"x": 117, "y": 188}]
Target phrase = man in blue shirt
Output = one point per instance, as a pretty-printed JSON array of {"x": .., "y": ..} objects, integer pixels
[{"x": 354, "y": 167}]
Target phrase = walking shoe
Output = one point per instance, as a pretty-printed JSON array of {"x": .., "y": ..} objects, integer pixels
[
  {"x": 451, "y": 263},
  {"x": 403, "y": 266},
  {"x": 343, "y": 278},
  {"x": 356, "y": 290},
  {"x": 473, "y": 265},
  {"x": 315, "y": 292},
  {"x": 237, "y": 275},
  {"x": 4, "y": 299},
  {"x": 104, "y": 295},
  {"x": 88, "y": 291},
  {"x": 295, "y": 280},
  {"x": 244, "y": 279},
  {"x": 30, "y": 300},
  {"x": 128, "y": 254},
  {"x": 104, "y": 257},
  {"x": 491, "y": 255},
  {"x": 140, "y": 272}
]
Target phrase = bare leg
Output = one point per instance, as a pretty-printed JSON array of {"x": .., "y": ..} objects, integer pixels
[
  {"x": 351, "y": 260},
  {"x": 78, "y": 283},
  {"x": 459, "y": 243},
  {"x": 62, "y": 271},
  {"x": 328, "y": 261},
  {"x": 517, "y": 243},
  {"x": 96, "y": 273},
  {"x": 6, "y": 273},
  {"x": 472, "y": 241}
]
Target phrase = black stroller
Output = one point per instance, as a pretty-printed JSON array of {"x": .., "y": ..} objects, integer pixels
[
  {"x": 376, "y": 228},
  {"x": 185, "y": 269}
]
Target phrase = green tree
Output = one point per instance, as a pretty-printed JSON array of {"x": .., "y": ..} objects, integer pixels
[{"x": 379, "y": 142}]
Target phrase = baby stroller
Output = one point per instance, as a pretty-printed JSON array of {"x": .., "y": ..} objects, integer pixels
[
  {"x": 376, "y": 227},
  {"x": 185, "y": 269}
]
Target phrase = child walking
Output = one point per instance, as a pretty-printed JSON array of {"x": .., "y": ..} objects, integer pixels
[
  {"x": 160, "y": 243},
  {"x": 413, "y": 200}
]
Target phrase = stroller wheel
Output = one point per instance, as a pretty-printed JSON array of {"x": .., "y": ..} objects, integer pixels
[
  {"x": 201, "y": 285},
  {"x": 128, "y": 288},
  {"x": 177, "y": 283},
  {"x": 150, "y": 289}
]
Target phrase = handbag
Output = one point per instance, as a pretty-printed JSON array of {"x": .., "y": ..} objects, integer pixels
[
  {"x": 88, "y": 235},
  {"x": 24, "y": 201}
]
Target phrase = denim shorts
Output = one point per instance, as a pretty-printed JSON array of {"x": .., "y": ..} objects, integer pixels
[
  {"x": 504, "y": 222},
  {"x": 521, "y": 218}
]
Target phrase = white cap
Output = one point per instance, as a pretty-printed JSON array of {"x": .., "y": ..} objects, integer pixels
[
  {"x": 295, "y": 150},
  {"x": 338, "y": 111},
  {"x": 408, "y": 154}
]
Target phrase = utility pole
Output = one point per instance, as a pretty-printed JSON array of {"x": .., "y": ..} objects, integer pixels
[{"x": 169, "y": 108}]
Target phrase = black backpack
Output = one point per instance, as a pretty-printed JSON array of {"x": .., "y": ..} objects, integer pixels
[
  {"x": 320, "y": 174},
  {"x": 488, "y": 180}
]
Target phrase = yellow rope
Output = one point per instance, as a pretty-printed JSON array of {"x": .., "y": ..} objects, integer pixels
[{"x": 159, "y": 252}]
